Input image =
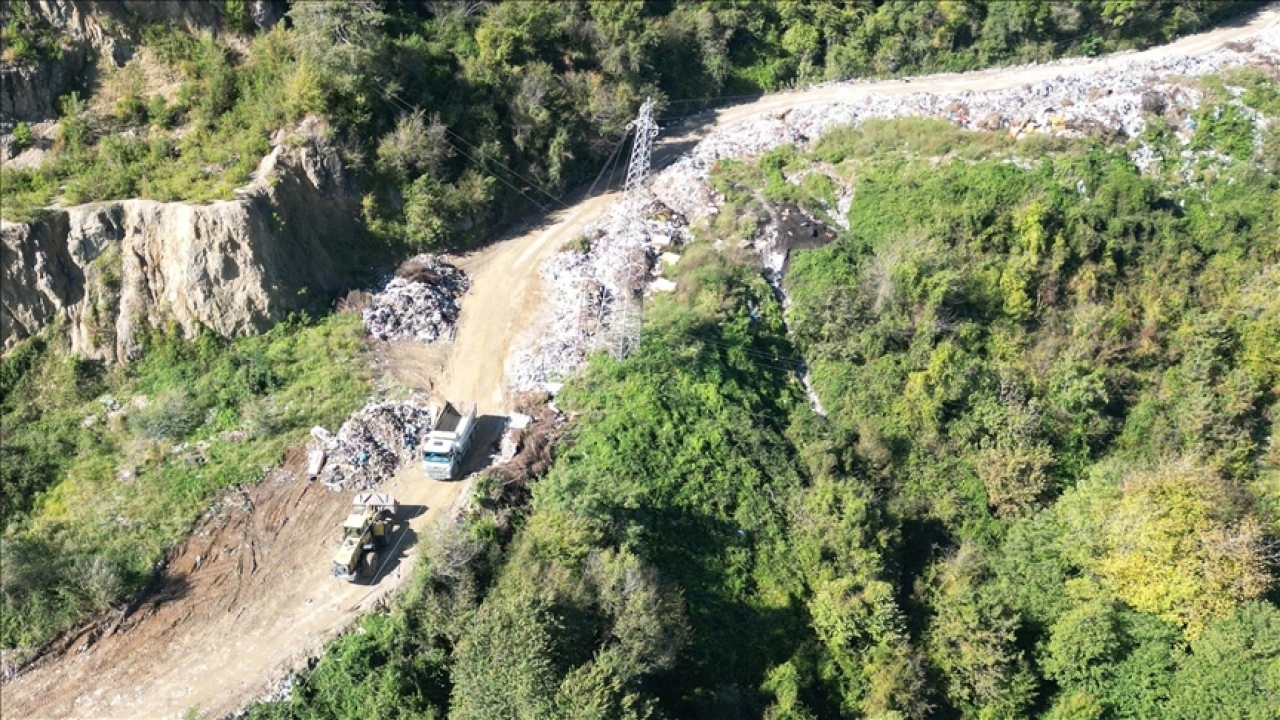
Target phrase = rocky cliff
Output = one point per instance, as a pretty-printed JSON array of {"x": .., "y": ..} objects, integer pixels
[
  {"x": 101, "y": 30},
  {"x": 111, "y": 269}
]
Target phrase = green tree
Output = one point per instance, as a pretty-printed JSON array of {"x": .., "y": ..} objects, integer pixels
[
  {"x": 1232, "y": 669},
  {"x": 343, "y": 41},
  {"x": 1175, "y": 544}
]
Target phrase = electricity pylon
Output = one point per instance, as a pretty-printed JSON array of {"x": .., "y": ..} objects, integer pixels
[{"x": 642, "y": 148}]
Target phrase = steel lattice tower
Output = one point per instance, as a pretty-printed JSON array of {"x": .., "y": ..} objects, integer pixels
[
  {"x": 642, "y": 149},
  {"x": 626, "y": 256}
]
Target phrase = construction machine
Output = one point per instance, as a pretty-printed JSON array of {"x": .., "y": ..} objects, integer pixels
[{"x": 364, "y": 533}]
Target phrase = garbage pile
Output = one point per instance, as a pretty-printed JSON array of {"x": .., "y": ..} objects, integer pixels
[
  {"x": 370, "y": 446},
  {"x": 593, "y": 288},
  {"x": 1075, "y": 98},
  {"x": 1078, "y": 101},
  {"x": 421, "y": 302}
]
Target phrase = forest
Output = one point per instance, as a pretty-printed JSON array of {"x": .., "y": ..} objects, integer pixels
[
  {"x": 1045, "y": 483},
  {"x": 484, "y": 113}
]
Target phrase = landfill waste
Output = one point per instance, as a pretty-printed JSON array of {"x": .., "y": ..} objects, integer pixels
[
  {"x": 1112, "y": 101},
  {"x": 421, "y": 302},
  {"x": 371, "y": 445},
  {"x": 585, "y": 288},
  {"x": 595, "y": 286}
]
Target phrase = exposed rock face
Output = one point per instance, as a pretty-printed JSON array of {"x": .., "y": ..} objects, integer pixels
[
  {"x": 266, "y": 13},
  {"x": 234, "y": 266},
  {"x": 83, "y": 19},
  {"x": 85, "y": 28},
  {"x": 31, "y": 92}
]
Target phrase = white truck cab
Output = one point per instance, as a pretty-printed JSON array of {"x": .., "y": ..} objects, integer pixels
[{"x": 446, "y": 446}]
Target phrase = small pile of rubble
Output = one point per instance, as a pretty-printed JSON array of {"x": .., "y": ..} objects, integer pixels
[
  {"x": 421, "y": 302},
  {"x": 370, "y": 446}
]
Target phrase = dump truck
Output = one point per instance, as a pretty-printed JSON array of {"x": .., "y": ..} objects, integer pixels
[
  {"x": 447, "y": 444},
  {"x": 364, "y": 532}
]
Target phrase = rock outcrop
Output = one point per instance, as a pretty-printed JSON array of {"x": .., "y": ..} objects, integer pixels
[
  {"x": 235, "y": 266},
  {"x": 30, "y": 92},
  {"x": 87, "y": 29},
  {"x": 102, "y": 23}
]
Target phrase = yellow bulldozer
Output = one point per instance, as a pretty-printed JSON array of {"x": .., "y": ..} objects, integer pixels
[{"x": 364, "y": 533}]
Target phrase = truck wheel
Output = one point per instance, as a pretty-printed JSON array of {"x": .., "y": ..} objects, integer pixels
[{"x": 370, "y": 566}]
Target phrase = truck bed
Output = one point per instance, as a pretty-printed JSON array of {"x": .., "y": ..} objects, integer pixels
[{"x": 448, "y": 420}]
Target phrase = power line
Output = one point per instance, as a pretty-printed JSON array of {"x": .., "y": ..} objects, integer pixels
[
  {"x": 498, "y": 177},
  {"x": 668, "y": 394},
  {"x": 404, "y": 105},
  {"x": 613, "y": 155},
  {"x": 558, "y": 199},
  {"x": 391, "y": 97},
  {"x": 755, "y": 357},
  {"x": 616, "y": 164},
  {"x": 716, "y": 97},
  {"x": 745, "y": 349},
  {"x": 531, "y": 183}
]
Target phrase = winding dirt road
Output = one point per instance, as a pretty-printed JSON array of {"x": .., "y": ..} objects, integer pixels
[{"x": 247, "y": 598}]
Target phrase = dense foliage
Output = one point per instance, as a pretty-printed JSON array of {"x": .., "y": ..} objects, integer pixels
[
  {"x": 463, "y": 115},
  {"x": 1063, "y": 376},
  {"x": 102, "y": 469},
  {"x": 1045, "y": 484}
]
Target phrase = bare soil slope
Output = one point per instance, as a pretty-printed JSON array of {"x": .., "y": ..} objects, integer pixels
[{"x": 248, "y": 596}]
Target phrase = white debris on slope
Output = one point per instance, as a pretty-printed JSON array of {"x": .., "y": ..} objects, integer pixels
[
  {"x": 589, "y": 284},
  {"x": 421, "y": 302},
  {"x": 1079, "y": 102},
  {"x": 1104, "y": 101}
]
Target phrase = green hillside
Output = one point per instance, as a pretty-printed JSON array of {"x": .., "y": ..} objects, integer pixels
[{"x": 1046, "y": 484}]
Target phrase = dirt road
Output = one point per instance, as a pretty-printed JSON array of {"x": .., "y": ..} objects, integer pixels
[{"x": 248, "y": 598}]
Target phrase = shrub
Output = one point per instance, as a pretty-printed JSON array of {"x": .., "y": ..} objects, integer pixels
[
  {"x": 170, "y": 416},
  {"x": 416, "y": 146},
  {"x": 1225, "y": 128},
  {"x": 23, "y": 137}
]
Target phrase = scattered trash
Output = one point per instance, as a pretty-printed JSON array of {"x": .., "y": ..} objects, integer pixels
[
  {"x": 589, "y": 287},
  {"x": 1112, "y": 99},
  {"x": 315, "y": 462}
]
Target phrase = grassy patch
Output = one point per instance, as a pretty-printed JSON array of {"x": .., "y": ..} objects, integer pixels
[
  {"x": 105, "y": 469},
  {"x": 227, "y": 110}
]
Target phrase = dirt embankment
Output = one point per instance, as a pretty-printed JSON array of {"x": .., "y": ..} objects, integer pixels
[{"x": 248, "y": 597}]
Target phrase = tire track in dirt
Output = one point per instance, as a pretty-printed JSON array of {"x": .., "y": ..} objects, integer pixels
[{"x": 247, "y": 597}]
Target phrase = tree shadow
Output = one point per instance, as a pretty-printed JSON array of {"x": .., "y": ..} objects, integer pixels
[
  {"x": 678, "y": 139},
  {"x": 924, "y": 541},
  {"x": 167, "y": 589},
  {"x": 1237, "y": 15},
  {"x": 734, "y": 639}
]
